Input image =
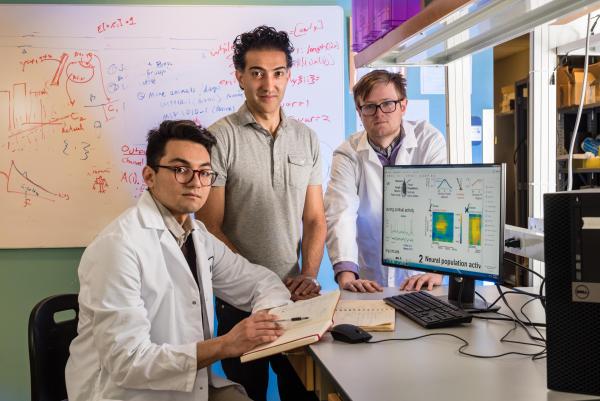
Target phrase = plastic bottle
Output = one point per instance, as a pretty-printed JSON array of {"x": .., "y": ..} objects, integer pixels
[{"x": 590, "y": 145}]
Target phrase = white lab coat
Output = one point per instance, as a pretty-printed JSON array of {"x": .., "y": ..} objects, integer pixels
[
  {"x": 140, "y": 312},
  {"x": 353, "y": 199}
]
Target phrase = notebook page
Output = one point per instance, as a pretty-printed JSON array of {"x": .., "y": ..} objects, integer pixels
[
  {"x": 316, "y": 309},
  {"x": 364, "y": 313}
]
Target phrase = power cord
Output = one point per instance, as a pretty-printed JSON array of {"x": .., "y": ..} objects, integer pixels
[
  {"x": 594, "y": 24},
  {"x": 521, "y": 143},
  {"x": 564, "y": 58},
  {"x": 561, "y": 63},
  {"x": 517, "y": 322},
  {"x": 580, "y": 109},
  {"x": 504, "y": 317},
  {"x": 472, "y": 310},
  {"x": 503, "y": 339},
  {"x": 541, "y": 293},
  {"x": 461, "y": 349},
  {"x": 487, "y": 307},
  {"x": 516, "y": 317},
  {"x": 524, "y": 268},
  {"x": 512, "y": 242}
]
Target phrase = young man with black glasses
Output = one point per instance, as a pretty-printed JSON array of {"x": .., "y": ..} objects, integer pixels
[
  {"x": 354, "y": 195},
  {"x": 147, "y": 283}
]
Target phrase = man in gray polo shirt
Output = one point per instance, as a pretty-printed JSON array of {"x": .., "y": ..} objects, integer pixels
[{"x": 267, "y": 202}]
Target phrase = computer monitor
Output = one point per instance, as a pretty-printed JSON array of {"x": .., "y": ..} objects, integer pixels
[{"x": 446, "y": 219}]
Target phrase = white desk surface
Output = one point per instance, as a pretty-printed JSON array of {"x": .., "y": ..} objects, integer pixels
[{"x": 431, "y": 368}]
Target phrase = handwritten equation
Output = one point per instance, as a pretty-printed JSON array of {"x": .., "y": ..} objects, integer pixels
[{"x": 78, "y": 96}]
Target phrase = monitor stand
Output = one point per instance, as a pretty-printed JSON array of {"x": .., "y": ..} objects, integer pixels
[{"x": 467, "y": 301}]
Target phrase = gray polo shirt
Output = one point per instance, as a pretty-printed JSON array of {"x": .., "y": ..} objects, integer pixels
[{"x": 265, "y": 181}]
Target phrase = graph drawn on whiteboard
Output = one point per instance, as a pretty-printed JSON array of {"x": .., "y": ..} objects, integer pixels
[{"x": 81, "y": 85}]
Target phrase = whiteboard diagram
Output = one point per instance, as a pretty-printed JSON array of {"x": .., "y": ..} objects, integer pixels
[{"x": 81, "y": 85}]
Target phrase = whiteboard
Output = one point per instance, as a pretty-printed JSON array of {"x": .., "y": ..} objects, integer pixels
[{"x": 81, "y": 85}]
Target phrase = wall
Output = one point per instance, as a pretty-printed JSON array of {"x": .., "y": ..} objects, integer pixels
[
  {"x": 482, "y": 94},
  {"x": 437, "y": 103},
  {"x": 507, "y": 71},
  {"x": 85, "y": 113},
  {"x": 29, "y": 275}
]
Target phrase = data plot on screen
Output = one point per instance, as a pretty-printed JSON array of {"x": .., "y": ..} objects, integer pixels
[
  {"x": 442, "y": 227},
  {"x": 446, "y": 218}
]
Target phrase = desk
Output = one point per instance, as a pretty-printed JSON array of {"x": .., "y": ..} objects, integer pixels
[{"x": 431, "y": 368}]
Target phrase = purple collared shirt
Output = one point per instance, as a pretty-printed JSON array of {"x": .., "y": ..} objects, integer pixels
[{"x": 387, "y": 156}]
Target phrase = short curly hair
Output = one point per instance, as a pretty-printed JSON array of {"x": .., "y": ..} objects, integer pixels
[{"x": 261, "y": 38}]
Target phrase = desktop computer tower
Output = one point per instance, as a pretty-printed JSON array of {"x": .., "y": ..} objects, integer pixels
[{"x": 572, "y": 256}]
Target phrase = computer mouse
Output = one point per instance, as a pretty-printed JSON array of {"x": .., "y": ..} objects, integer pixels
[{"x": 349, "y": 333}]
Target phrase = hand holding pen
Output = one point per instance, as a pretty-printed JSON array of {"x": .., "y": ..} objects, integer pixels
[{"x": 292, "y": 319}]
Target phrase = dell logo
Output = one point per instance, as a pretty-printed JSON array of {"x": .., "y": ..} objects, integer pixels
[{"x": 582, "y": 291}]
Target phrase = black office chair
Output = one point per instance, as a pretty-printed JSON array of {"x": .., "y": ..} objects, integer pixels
[{"x": 49, "y": 342}]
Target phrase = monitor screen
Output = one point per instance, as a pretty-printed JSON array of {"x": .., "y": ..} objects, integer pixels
[{"x": 446, "y": 219}]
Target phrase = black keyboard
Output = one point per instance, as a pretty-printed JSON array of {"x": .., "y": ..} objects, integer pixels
[{"x": 427, "y": 310}]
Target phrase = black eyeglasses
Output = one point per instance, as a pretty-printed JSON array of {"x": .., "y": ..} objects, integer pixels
[
  {"x": 185, "y": 175},
  {"x": 370, "y": 109}
]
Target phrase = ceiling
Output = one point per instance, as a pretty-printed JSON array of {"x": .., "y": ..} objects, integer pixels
[{"x": 511, "y": 47}]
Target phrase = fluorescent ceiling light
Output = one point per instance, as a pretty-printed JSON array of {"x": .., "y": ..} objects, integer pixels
[{"x": 488, "y": 23}]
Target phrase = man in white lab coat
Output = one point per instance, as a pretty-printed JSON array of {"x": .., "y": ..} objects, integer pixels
[
  {"x": 353, "y": 200},
  {"x": 147, "y": 283}
]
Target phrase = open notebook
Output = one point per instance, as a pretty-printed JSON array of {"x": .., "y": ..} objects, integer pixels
[
  {"x": 370, "y": 315},
  {"x": 319, "y": 311}
]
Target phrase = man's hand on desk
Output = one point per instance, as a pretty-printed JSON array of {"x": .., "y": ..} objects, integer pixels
[
  {"x": 348, "y": 281},
  {"x": 415, "y": 283},
  {"x": 303, "y": 287},
  {"x": 257, "y": 329}
]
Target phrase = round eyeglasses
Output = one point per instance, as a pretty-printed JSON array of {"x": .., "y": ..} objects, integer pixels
[
  {"x": 370, "y": 109},
  {"x": 185, "y": 175}
]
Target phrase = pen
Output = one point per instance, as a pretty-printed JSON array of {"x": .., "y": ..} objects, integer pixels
[{"x": 293, "y": 319}]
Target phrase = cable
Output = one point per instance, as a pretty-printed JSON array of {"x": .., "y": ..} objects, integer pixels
[
  {"x": 541, "y": 293},
  {"x": 505, "y": 339},
  {"x": 517, "y": 320},
  {"x": 594, "y": 25},
  {"x": 487, "y": 307},
  {"x": 465, "y": 345},
  {"x": 581, "y": 101},
  {"x": 504, "y": 317},
  {"x": 542, "y": 300},
  {"x": 514, "y": 292},
  {"x": 524, "y": 267},
  {"x": 531, "y": 294},
  {"x": 521, "y": 143},
  {"x": 508, "y": 319},
  {"x": 512, "y": 242},
  {"x": 418, "y": 338},
  {"x": 530, "y": 323},
  {"x": 561, "y": 63},
  {"x": 472, "y": 310}
]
